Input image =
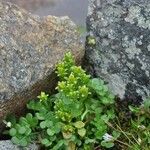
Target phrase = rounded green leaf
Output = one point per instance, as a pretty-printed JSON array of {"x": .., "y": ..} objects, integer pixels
[
  {"x": 45, "y": 141},
  {"x": 40, "y": 116},
  {"x": 49, "y": 123},
  {"x": 50, "y": 132},
  {"x": 67, "y": 135},
  {"x": 22, "y": 130},
  {"x": 105, "y": 88},
  {"x": 112, "y": 97},
  {"x": 15, "y": 140},
  {"x": 23, "y": 142},
  {"x": 17, "y": 126},
  {"x": 29, "y": 116},
  {"x": 71, "y": 146},
  {"x": 57, "y": 127},
  {"x": 43, "y": 124},
  {"x": 116, "y": 134},
  {"x": 23, "y": 121},
  {"x": 34, "y": 122},
  {"x": 105, "y": 100},
  {"x": 28, "y": 131},
  {"x": 105, "y": 118},
  {"x": 12, "y": 132},
  {"x": 79, "y": 124},
  {"x": 82, "y": 132},
  {"x": 58, "y": 145},
  {"x": 107, "y": 144},
  {"x": 87, "y": 141}
]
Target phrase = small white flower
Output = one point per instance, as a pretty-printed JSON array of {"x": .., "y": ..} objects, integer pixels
[
  {"x": 8, "y": 124},
  {"x": 107, "y": 137}
]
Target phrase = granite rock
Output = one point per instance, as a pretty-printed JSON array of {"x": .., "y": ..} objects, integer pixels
[
  {"x": 8, "y": 145},
  {"x": 31, "y": 4},
  {"x": 121, "y": 54},
  {"x": 30, "y": 47}
]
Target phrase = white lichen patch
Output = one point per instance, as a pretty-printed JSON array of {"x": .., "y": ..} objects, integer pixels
[
  {"x": 91, "y": 8},
  {"x": 122, "y": 29},
  {"x": 114, "y": 11},
  {"x": 142, "y": 92},
  {"x": 125, "y": 42},
  {"x": 117, "y": 85},
  {"x": 148, "y": 47},
  {"x": 106, "y": 62},
  {"x": 113, "y": 14},
  {"x": 143, "y": 66},
  {"x": 147, "y": 73},
  {"x": 131, "y": 49},
  {"x": 139, "y": 42},
  {"x": 112, "y": 34},
  {"x": 105, "y": 42},
  {"x": 131, "y": 66},
  {"x": 115, "y": 58},
  {"x": 135, "y": 14},
  {"x": 142, "y": 22}
]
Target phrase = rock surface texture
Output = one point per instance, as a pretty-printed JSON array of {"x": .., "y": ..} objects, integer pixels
[
  {"x": 31, "y": 4},
  {"x": 8, "y": 145},
  {"x": 30, "y": 47},
  {"x": 121, "y": 55}
]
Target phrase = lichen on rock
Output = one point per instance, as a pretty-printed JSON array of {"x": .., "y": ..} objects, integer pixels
[
  {"x": 8, "y": 145},
  {"x": 122, "y": 52}
]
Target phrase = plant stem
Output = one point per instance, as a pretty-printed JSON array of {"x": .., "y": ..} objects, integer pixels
[
  {"x": 135, "y": 139},
  {"x": 84, "y": 114},
  {"x": 124, "y": 134},
  {"x": 120, "y": 130},
  {"x": 123, "y": 143}
]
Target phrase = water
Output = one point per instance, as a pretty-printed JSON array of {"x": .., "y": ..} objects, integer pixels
[{"x": 75, "y": 9}]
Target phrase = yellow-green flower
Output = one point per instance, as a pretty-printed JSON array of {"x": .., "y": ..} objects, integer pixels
[{"x": 43, "y": 96}]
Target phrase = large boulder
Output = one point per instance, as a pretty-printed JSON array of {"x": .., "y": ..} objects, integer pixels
[
  {"x": 31, "y": 4},
  {"x": 30, "y": 47},
  {"x": 118, "y": 45}
]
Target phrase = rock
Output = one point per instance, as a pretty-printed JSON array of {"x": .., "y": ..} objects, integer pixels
[
  {"x": 30, "y": 47},
  {"x": 121, "y": 52},
  {"x": 8, "y": 145},
  {"x": 31, "y": 4}
]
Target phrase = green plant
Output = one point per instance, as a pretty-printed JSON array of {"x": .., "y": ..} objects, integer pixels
[
  {"x": 80, "y": 116},
  {"x": 21, "y": 132},
  {"x": 140, "y": 126},
  {"x": 91, "y": 41},
  {"x": 73, "y": 118},
  {"x": 135, "y": 135}
]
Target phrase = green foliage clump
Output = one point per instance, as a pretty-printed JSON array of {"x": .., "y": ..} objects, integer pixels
[
  {"x": 80, "y": 116},
  {"x": 139, "y": 131},
  {"x": 21, "y": 132}
]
